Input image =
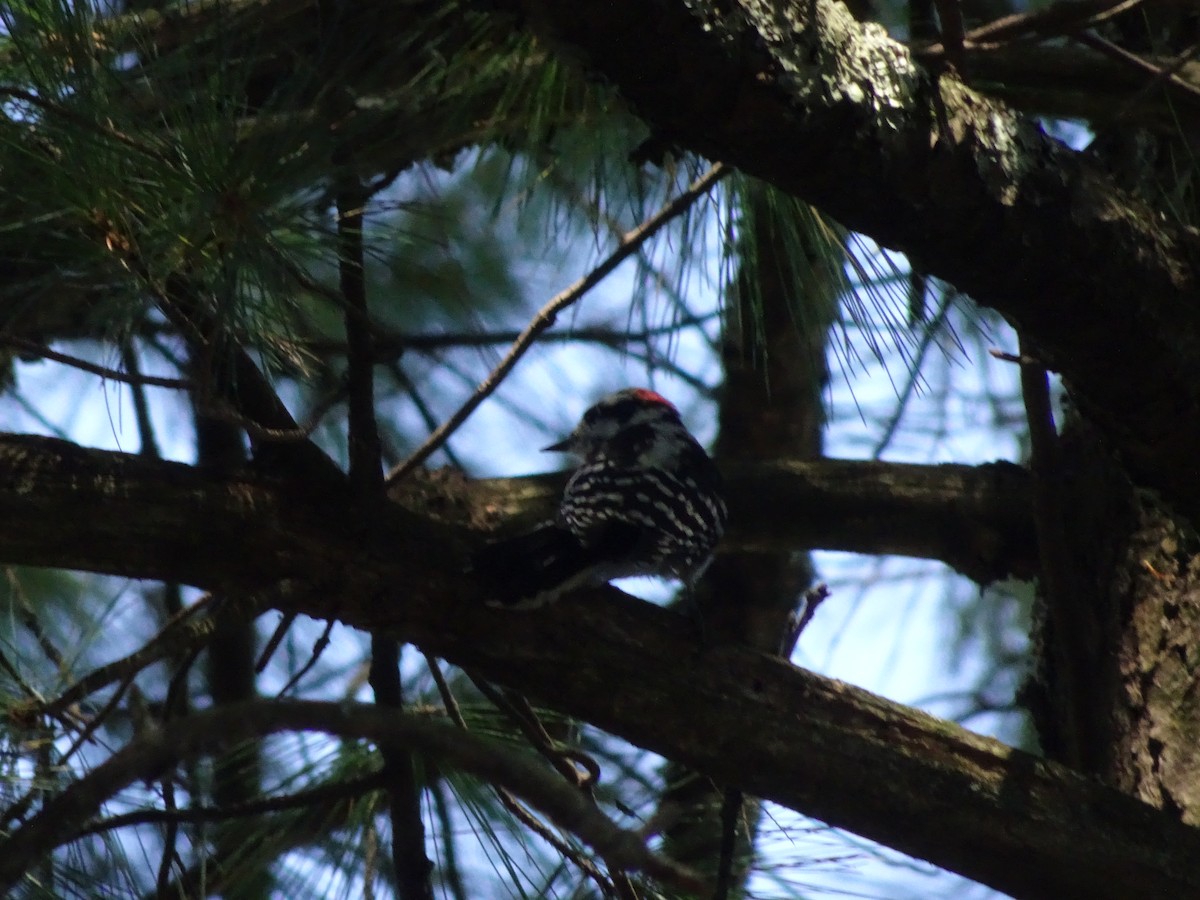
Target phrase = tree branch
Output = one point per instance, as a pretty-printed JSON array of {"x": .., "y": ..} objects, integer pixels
[
  {"x": 831, "y": 110},
  {"x": 324, "y": 794},
  {"x": 976, "y": 519},
  {"x": 924, "y": 786},
  {"x": 412, "y": 868},
  {"x": 921, "y": 785},
  {"x": 627, "y": 245},
  {"x": 1073, "y": 82},
  {"x": 147, "y": 756},
  {"x": 163, "y": 520},
  {"x": 34, "y": 349}
]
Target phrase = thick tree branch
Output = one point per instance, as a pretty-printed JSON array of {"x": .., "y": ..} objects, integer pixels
[
  {"x": 1072, "y": 82},
  {"x": 832, "y": 111},
  {"x": 65, "y": 506},
  {"x": 921, "y": 785},
  {"x": 924, "y": 786},
  {"x": 153, "y": 519},
  {"x": 977, "y": 517}
]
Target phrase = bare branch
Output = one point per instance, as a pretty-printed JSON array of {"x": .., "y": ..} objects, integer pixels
[
  {"x": 998, "y": 208},
  {"x": 411, "y": 867},
  {"x": 921, "y": 785},
  {"x": 179, "y": 634},
  {"x": 1053, "y": 21},
  {"x": 166, "y": 520},
  {"x": 32, "y": 348},
  {"x": 629, "y": 244},
  {"x": 322, "y": 794},
  {"x": 147, "y": 756},
  {"x": 511, "y": 803},
  {"x": 1155, "y": 73}
]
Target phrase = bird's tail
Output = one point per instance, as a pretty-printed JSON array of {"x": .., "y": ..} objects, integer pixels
[{"x": 529, "y": 570}]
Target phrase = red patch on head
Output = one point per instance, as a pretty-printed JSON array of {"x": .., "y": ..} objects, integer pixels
[{"x": 652, "y": 397}]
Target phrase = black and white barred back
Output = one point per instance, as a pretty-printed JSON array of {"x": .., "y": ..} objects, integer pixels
[{"x": 645, "y": 500}]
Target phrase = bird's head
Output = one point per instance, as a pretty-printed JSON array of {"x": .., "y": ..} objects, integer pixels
[{"x": 630, "y": 413}]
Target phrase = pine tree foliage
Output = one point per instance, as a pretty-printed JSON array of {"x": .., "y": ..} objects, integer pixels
[{"x": 254, "y": 255}]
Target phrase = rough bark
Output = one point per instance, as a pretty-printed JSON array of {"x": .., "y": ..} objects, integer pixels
[
  {"x": 1103, "y": 285},
  {"x": 154, "y": 519},
  {"x": 977, "y": 516},
  {"x": 831, "y": 110},
  {"x": 1133, "y": 627},
  {"x": 1025, "y": 826},
  {"x": 998, "y": 816},
  {"x": 1155, "y": 730},
  {"x": 928, "y": 788},
  {"x": 1063, "y": 81}
]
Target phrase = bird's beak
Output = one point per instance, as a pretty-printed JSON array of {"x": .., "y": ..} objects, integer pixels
[{"x": 562, "y": 446}]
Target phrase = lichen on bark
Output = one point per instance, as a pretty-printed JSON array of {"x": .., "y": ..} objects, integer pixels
[
  {"x": 1157, "y": 726},
  {"x": 825, "y": 57}
]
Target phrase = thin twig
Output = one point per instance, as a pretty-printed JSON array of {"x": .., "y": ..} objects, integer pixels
[
  {"x": 1019, "y": 358},
  {"x": 170, "y": 853},
  {"x": 449, "y": 701},
  {"x": 92, "y": 725},
  {"x": 1121, "y": 55},
  {"x": 214, "y": 410},
  {"x": 731, "y": 814},
  {"x": 318, "y": 648},
  {"x": 1070, "y": 622},
  {"x": 183, "y": 739},
  {"x": 13, "y": 673},
  {"x": 813, "y": 597},
  {"x": 78, "y": 120},
  {"x": 33, "y": 348},
  {"x": 239, "y": 383},
  {"x": 171, "y": 636},
  {"x": 423, "y": 410},
  {"x": 1052, "y": 21},
  {"x": 534, "y": 824},
  {"x": 341, "y": 790},
  {"x": 522, "y": 714},
  {"x": 389, "y": 345},
  {"x": 510, "y": 802},
  {"x": 1165, "y": 73},
  {"x": 274, "y": 641},
  {"x": 566, "y": 759},
  {"x": 148, "y": 445},
  {"x": 31, "y": 622},
  {"x": 546, "y": 316},
  {"x": 410, "y": 863}
]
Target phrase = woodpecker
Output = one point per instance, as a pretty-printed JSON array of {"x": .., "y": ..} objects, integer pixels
[{"x": 644, "y": 500}]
